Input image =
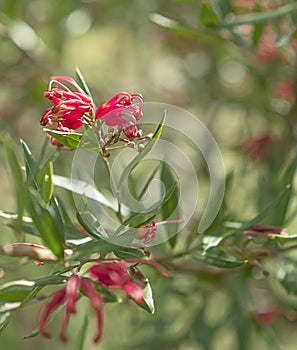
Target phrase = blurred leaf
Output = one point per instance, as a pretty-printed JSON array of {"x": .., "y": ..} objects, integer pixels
[
  {"x": 170, "y": 207},
  {"x": 82, "y": 82},
  {"x": 217, "y": 260},
  {"x": 83, "y": 188},
  {"x": 33, "y": 334},
  {"x": 260, "y": 16},
  {"x": 144, "y": 152},
  {"x": 16, "y": 172},
  {"x": 180, "y": 29},
  {"x": 82, "y": 334},
  {"x": 279, "y": 214},
  {"x": 54, "y": 279},
  {"x": 15, "y": 291},
  {"x": 48, "y": 224},
  {"x": 4, "y": 320},
  {"x": 257, "y": 33},
  {"x": 91, "y": 225},
  {"x": 208, "y": 16},
  {"x": 263, "y": 214},
  {"x": 45, "y": 182}
]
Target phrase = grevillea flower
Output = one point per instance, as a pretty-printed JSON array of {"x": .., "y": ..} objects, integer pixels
[
  {"x": 71, "y": 106},
  {"x": 147, "y": 233},
  {"x": 122, "y": 110},
  {"x": 258, "y": 147},
  {"x": 115, "y": 274},
  {"x": 118, "y": 274},
  {"x": 69, "y": 296}
]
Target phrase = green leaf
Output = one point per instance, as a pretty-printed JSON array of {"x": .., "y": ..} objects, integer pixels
[
  {"x": 45, "y": 182},
  {"x": 149, "y": 304},
  {"x": 33, "y": 334},
  {"x": 15, "y": 291},
  {"x": 85, "y": 250},
  {"x": 82, "y": 82},
  {"x": 218, "y": 261},
  {"x": 4, "y": 320},
  {"x": 48, "y": 224},
  {"x": 91, "y": 225},
  {"x": 260, "y": 16},
  {"x": 82, "y": 334},
  {"x": 73, "y": 140},
  {"x": 208, "y": 16},
  {"x": 83, "y": 188},
  {"x": 131, "y": 182},
  {"x": 67, "y": 138},
  {"x": 180, "y": 29},
  {"x": 258, "y": 218},
  {"x": 128, "y": 253},
  {"x": 144, "y": 152},
  {"x": 170, "y": 208},
  {"x": 16, "y": 172},
  {"x": 138, "y": 219},
  {"x": 54, "y": 279},
  {"x": 30, "y": 164}
]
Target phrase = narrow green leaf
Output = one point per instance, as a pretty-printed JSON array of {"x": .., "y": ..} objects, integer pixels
[
  {"x": 30, "y": 164},
  {"x": 15, "y": 291},
  {"x": 48, "y": 224},
  {"x": 208, "y": 16},
  {"x": 180, "y": 29},
  {"x": 82, "y": 82},
  {"x": 84, "y": 189},
  {"x": 217, "y": 261},
  {"x": 260, "y": 16},
  {"x": 45, "y": 182},
  {"x": 67, "y": 138},
  {"x": 82, "y": 334},
  {"x": 4, "y": 320},
  {"x": 17, "y": 176},
  {"x": 144, "y": 152},
  {"x": 33, "y": 334},
  {"x": 91, "y": 225},
  {"x": 170, "y": 209},
  {"x": 129, "y": 253},
  {"x": 85, "y": 250},
  {"x": 258, "y": 218},
  {"x": 138, "y": 219},
  {"x": 54, "y": 279},
  {"x": 149, "y": 304},
  {"x": 73, "y": 140}
]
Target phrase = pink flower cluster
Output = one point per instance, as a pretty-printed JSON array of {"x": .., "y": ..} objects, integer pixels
[
  {"x": 73, "y": 107},
  {"x": 115, "y": 274}
]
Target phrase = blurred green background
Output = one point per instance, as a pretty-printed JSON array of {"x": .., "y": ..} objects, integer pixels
[{"x": 118, "y": 47}]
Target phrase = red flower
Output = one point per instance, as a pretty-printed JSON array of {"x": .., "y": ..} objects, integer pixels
[
  {"x": 148, "y": 232},
  {"x": 122, "y": 110},
  {"x": 257, "y": 147},
  {"x": 116, "y": 274},
  {"x": 285, "y": 90},
  {"x": 71, "y": 107},
  {"x": 69, "y": 296}
]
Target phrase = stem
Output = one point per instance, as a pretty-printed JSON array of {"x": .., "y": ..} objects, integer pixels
[{"x": 107, "y": 166}]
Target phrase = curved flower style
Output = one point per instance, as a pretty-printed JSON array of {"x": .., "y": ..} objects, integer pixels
[
  {"x": 69, "y": 296},
  {"x": 70, "y": 108},
  {"x": 122, "y": 110}
]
